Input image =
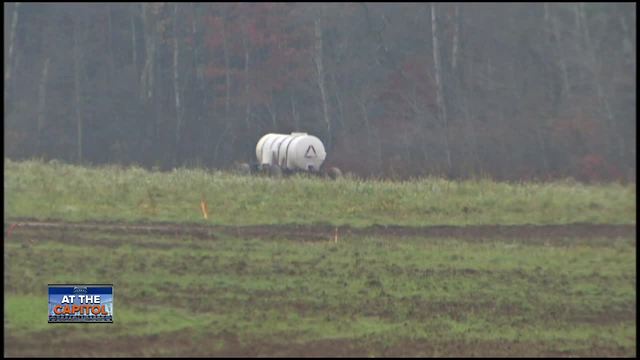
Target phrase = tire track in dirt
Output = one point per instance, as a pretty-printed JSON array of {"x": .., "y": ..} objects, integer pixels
[
  {"x": 326, "y": 231},
  {"x": 189, "y": 343}
]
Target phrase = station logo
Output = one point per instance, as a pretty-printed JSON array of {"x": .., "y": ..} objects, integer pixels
[{"x": 80, "y": 303}]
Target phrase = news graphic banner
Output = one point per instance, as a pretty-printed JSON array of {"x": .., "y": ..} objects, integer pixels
[{"x": 80, "y": 303}]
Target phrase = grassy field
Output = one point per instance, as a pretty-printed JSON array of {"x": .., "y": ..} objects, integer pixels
[
  {"x": 367, "y": 295},
  {"x": 361, "y": 296},
  {"x": 58, "y": 191}
]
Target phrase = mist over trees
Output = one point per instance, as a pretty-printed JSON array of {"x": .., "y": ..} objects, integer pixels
[{"x": 510, "y": 91}]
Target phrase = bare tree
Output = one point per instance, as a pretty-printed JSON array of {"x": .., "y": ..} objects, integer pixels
[
  {"x": 594, "y": 65},
  {"x": 12, "y": 35},
  {"x": 552, "y": 20},
  {"x": 150, "y": 38},
  {"x": 294, "y": 113},
  {"x": 247, "y": 58},
  {"x": 176, "y": 79},
  {"x": 77, "y": 63},
  {"x": 456, "y": 35},
  {"x": 321, "y": 78},
  {"x": 227, "y": 98},
  {"x": 338, "y": 98},
  {"x": 439, "y": 93},
  {"x": 42, "y": 102},
  {"x": 365, "y": 114},
  {"x": 367, "y": 125},
  {"x": 134, "y": 45},
  {"x": 628, "y": 46},
  {"x": 271, "y": 109},
  {"x": 227, "y": 74}
]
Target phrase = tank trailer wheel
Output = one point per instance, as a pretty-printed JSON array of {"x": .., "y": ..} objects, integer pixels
[
  {"x": 275, "y": 171},
  {"x": 243, "y": 169},
  {"x": 334, "y": 173}
]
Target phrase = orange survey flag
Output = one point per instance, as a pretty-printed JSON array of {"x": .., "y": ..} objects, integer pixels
[{"x": 204, "y": 208}]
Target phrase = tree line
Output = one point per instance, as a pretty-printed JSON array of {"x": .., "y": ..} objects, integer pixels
[{"x": 510, "y": 91}]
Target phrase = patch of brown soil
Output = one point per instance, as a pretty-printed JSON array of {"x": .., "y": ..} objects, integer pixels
[
  {"x": 325, "y": 232},
  {"x": 187, "y": 343}
]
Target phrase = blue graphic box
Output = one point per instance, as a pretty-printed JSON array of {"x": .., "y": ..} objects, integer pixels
[{"x": 84, "y": 303}]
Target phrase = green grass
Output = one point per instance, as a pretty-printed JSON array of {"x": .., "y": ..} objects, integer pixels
[
  {"x": 515, "y": 296},
  {"x": 58, "y": 191},
  {"x": 362, "y": 296}
]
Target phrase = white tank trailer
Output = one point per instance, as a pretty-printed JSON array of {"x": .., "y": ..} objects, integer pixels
[{"x": 279, "y": 154}]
